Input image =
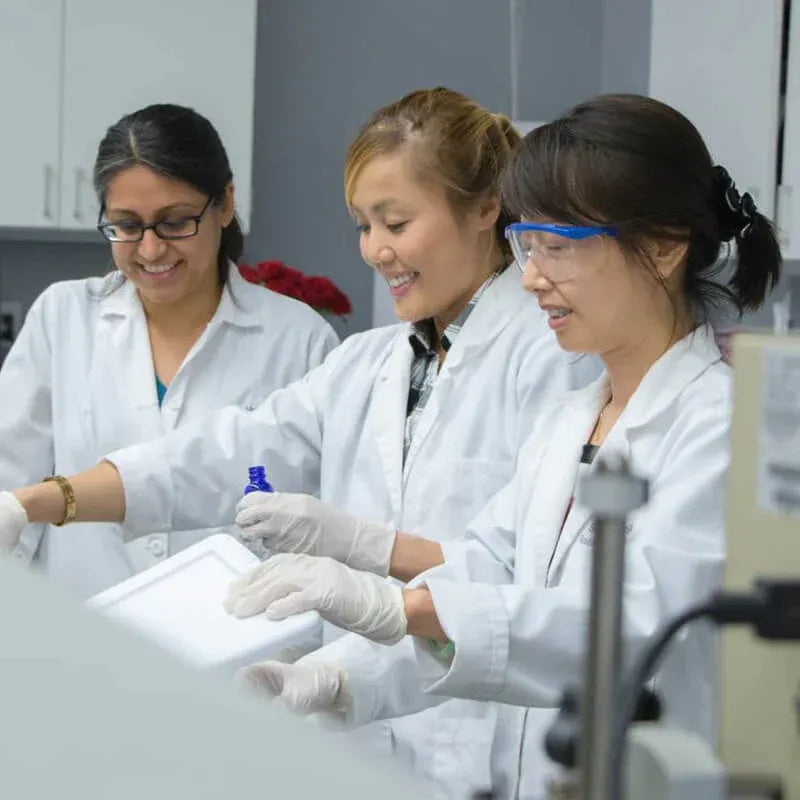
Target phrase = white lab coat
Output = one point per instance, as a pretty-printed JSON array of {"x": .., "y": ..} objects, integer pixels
[
  {"x": 339, "y": 433},
  {"x": 514, "y": 595},
  {"x": 80, "y": 381}
]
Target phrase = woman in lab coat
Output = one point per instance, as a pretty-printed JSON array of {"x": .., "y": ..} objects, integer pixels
[
  {"x": 173, "y": 333},
  {"x": 406, "y": 425},
  {"x": 624, "y": 216}
]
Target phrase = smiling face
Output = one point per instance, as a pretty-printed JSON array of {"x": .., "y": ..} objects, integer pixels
[
  {"x": 600, "y": 299},
  {"x": 433, "y": 259},
  {"x": 166, "y": 272}
]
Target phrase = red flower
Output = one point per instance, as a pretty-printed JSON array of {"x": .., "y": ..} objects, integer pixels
[
  {"x": 270, "y": 269},
  {"x": 294, "y": 276},
  {"x": 320, "y": 293},
  {"x": 316, "y": 291},
  {"x": 284, "y": 285},
  {"x": 249, "y": 274},
  {"x": 323, "y": 294}
]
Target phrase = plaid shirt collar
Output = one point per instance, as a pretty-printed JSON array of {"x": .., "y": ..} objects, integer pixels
[{"x": 423, "y": 333}]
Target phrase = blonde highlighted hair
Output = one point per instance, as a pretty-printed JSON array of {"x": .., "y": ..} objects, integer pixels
[{"x": 455, "y": 143}]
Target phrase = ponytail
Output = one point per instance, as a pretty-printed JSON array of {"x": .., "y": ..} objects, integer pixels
[{"x": 758, "y": 256}]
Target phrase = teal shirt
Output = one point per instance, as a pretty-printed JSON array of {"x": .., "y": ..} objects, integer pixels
[{"x": 161, "y": 390}]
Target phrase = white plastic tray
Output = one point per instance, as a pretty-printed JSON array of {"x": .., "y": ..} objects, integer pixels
[{"x": 178, "y": 603}]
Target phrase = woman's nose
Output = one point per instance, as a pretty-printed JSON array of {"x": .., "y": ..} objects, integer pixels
[
  {"x": 533, "y": 279},
  {"x": 151, "y": 247}
]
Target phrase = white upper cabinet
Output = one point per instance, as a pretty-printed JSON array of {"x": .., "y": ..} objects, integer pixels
[
  {"x": 121, "y": 56},
  {"x": 719, "y": 61},
  {"x": 789, "y": 190},
  {"x": 30, "y": 99},
  {"x": 82, "y": 64}
]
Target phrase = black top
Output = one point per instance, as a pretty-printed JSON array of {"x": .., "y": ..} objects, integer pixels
[{"x": 588, "y": 453}]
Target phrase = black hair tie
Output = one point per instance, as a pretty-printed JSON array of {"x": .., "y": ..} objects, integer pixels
[{"x": 736, "y": 212}]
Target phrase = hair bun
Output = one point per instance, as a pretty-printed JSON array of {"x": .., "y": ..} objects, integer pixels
[
  {"x": 735, "y": 212},
  {"x": 506, "y": 127}
]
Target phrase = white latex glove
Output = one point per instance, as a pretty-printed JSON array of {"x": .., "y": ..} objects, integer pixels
[
  {"x": 304, "y": 688},
  {"x": 290, "y": 583},
  {"x": 299, "y": 523},
  {"x": 13, "y": 519}
]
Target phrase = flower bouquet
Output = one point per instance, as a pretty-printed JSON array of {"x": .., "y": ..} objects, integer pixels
[{"x": 322, "y": 294}]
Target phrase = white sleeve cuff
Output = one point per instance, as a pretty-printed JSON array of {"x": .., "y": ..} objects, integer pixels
[
  {"x": 474, "y": 618},
  {"x": 147, "y": 483}
]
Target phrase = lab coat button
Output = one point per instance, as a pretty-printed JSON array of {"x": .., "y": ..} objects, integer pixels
[{"x": 156, "y": 547}]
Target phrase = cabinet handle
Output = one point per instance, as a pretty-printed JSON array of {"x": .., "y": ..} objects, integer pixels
[
  {"x": 783, "y": 216},
  {"x": 79, "y": 175},
  {"x": 797, "y": 708},
  {"x": 47, "y": 211}
]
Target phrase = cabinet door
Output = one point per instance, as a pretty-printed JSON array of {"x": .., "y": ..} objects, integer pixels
[
  {"x": 718, "y": 61},
  {"x": 789, "y": 191},
  {"x": 30, "y": 98},
  {"x": 121, "y": 56}
]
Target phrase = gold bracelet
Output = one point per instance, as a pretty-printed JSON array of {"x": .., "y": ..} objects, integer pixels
[{"x": 69, "y": 498}]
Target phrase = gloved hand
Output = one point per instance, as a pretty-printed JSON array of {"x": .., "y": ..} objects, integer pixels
[
  {"x": 303, "y": 687},
  {"x": 13, "y": 519},
  {"x": 299, "y": 523},
  {"x": 290, "y": 583}
]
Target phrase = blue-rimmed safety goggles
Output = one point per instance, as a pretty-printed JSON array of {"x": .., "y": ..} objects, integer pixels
[{"x": 551, "y": 242}]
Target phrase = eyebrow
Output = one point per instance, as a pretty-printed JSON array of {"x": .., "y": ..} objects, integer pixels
[
  {"x": 378, "y": 208},
  {"x": 187, "y": 204}
]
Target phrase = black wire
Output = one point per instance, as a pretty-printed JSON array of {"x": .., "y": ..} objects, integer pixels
[
  {"x": 643, "y": 669},
  {"x": 724, "y": 608}
]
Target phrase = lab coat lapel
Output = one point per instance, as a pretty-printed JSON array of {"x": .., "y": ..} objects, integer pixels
[
  {"x": 238, "y": 307},
  {"x": 670, "y": 375},
  {"x": 555, "y": 482},
  {"x": 496, "y": 307},
  {"x": 492, "y": 313},
  {"x": 122, "y": 378},
  {"x": 391, "y": 400},
  {"x": 580, "y": 519},
  {"x": 660, "y": 387}
]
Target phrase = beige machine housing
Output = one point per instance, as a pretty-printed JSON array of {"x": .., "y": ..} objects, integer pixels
[{"x": 760, "y": 680}]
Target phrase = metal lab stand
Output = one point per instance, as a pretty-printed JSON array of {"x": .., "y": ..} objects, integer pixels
[{"x": 611, "y": 493}]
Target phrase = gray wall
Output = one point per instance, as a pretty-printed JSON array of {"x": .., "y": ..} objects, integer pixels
[
  {"x": 29, "y": 264},
  {"x": 625, "y": 56},
  {"x": 559, "y": 54},
  {"x": 322, "y": 67}
]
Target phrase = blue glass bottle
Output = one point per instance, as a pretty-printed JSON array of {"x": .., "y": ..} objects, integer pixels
[{"x": 258, "y": 481}]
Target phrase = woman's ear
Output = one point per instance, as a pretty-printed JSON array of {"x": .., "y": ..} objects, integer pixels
[
  {"x": 668, "y": 256},
  {"x": 228, "y": 207},
  {"x": 487, "y": 212}
]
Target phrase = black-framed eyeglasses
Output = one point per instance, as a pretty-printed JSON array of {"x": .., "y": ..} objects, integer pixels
[{"x": 130, "y": 231}]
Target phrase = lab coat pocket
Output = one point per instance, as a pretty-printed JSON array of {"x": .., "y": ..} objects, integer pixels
[{"x": 462, "y": 751}]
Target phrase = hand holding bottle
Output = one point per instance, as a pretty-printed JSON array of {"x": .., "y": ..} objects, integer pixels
[{"x": 300, "y": 523}]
